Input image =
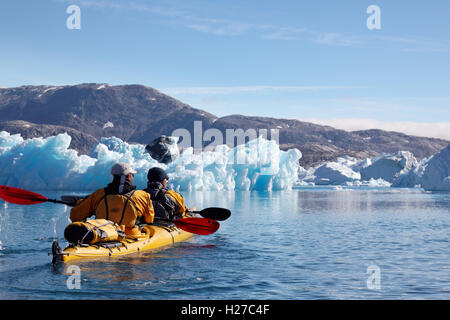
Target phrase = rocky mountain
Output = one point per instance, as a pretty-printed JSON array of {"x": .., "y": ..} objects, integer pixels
[
  {"x": 136, "y": 113},
  {"x": 131, "y": 112},
  {"x": 320, "y": 143}
]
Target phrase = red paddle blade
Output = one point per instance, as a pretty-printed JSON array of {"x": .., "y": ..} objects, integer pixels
[
  {"x": 200, "y": 226},
  {"x": 20, "y": 196}
]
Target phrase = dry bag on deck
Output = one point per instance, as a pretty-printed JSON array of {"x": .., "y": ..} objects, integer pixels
[{"x": 93, "y": 231}]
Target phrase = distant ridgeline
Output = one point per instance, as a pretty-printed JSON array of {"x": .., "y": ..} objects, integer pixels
[{"x": 139, "y": 114}]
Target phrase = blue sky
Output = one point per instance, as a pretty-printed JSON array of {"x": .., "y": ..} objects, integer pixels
[{"x": 309, "y": 60}]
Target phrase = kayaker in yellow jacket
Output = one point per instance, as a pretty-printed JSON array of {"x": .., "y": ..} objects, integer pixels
[
  {"x": 168, "y": 204},
  {"x": 119, "y": 202}
]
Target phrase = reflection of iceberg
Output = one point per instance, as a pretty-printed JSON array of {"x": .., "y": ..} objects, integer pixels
[{"x": 49, "y": 164}]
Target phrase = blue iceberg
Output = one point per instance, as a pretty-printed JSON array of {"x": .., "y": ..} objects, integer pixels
[{"x": 49, "y": 164}]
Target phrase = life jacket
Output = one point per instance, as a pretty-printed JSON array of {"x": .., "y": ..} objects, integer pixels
[
  {"x": 118, "y": 208},
  {"x": 164, "y": 206},
  {"x": 179, "y": 200},
  {"x": 93, "y": 231}
]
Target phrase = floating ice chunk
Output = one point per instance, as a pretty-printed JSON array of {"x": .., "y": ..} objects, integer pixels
[
  {"x": 388, "y": 167},
  {"x": 338, "y": 172},
  {"x": 373, "y": 183},
  {"x": 335, "y": 173}
]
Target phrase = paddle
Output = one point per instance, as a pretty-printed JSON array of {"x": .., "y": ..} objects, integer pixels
[
  {"x": 71, "y": 199},
  {"x": 201, "y": 226},
  {"x": 20, "y": 196},
  {"x": 219, "y": 214},
  {"x": 214, "y": 213}
]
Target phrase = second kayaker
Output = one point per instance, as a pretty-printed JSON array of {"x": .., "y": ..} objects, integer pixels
[{"x": 168, "y": 204}]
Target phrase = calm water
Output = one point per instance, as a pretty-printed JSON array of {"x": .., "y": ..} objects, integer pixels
[{"x": 310, "y": 243}]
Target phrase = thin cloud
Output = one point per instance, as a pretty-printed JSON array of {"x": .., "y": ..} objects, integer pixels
[
  {"x": 337, "y": 39},
  {"x": 225, "y": 27},
  {"x": 423, "y": 129},
  {"x": 128, "y": 5},
  {"x": 415, "y": 44}
]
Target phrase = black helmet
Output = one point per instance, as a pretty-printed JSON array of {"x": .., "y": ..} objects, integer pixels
[{"x": 156, "y": 174}]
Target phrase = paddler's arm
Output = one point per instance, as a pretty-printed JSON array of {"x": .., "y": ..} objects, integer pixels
[
  {"x": 180, "y": 210},
  {"x": 144, "y": 205},
  {"x": 85, "y": 208}
]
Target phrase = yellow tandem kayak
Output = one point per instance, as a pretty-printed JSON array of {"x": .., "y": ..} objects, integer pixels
[{"x": 156, "y": 237}]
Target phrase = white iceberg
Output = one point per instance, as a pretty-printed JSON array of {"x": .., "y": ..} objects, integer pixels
[
  {"x": 411, "y": 178},
  {"x": 372, "y": 183},
  {"x": 335, "y": 173},
  {"x": 432, "y": 174},
  {"x": 399, "y": 169},
  {"x": 389, "y": 167},
  {"x": 342, "y": 171},
  {"x": 436, "y": 175}
]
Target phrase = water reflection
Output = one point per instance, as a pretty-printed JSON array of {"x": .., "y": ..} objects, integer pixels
[
  {"x": 303, "y": 243},
  {"x": 319, "y": 200},
  {"x": 348, "y": 201}
]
